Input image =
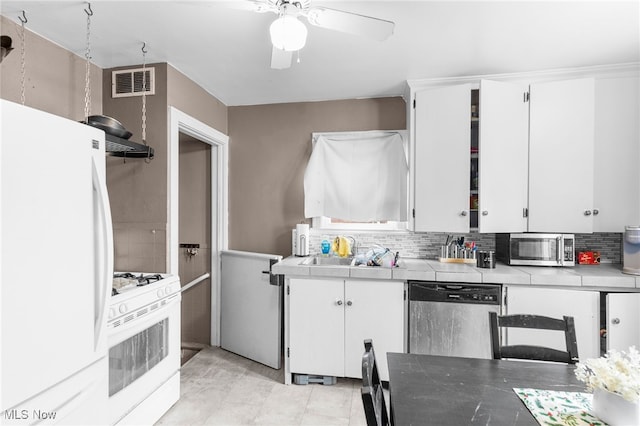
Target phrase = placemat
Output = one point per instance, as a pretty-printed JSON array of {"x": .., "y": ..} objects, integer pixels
[{"x": 553, "y": 408}]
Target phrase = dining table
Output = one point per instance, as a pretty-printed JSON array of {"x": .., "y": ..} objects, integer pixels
[{"x": 456, "y": 391}]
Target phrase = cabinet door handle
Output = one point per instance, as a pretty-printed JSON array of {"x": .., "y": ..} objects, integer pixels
[
  {"x": 485, "y": 213},
  {"x": 595, "y": 212},
  {"x": 339, "y": 302},
  {"x": 587, "y": 212},
  {"x": 349, "y": 303},
  {"x": 463, "y": 213},
  {"x": 615, "y": 321}
]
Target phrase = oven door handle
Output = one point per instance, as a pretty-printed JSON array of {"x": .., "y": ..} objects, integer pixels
[{"x": 103, "y": 256}]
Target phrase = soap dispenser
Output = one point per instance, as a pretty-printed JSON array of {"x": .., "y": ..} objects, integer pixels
[{"x": 325, "y": 247}]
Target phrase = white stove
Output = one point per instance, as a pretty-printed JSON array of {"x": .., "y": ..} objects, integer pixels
[
  {"x": 136, "y": 294},
  {"x": 144, "y": 347}
]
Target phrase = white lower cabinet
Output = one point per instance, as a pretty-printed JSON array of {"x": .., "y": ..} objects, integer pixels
[
  {"x": 623, "y": 320},
  {"x": 620, "y": 317},
  {"x": 583, "y": 306},
  {"x": 329, "y": 319}
]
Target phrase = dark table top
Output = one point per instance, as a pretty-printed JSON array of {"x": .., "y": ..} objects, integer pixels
[{"x": 438, "y": 390}]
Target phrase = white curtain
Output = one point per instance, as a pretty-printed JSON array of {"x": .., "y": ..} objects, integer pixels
[{"x": 357, "y": 176}]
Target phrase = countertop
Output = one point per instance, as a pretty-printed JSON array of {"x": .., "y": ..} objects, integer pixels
[{"x": 605, "y": 275}]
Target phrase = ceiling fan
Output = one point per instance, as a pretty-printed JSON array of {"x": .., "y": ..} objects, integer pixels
[{"x": 288, "y": 33}]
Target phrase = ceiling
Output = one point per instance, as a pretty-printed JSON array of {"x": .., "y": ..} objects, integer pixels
[{"x": 226, "y": 49}]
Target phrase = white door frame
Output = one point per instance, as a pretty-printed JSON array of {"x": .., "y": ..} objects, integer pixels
[{"x": 180, "y": 122}]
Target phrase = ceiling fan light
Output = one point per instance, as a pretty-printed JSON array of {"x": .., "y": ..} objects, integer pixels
[{"x": 287, "y": 33}]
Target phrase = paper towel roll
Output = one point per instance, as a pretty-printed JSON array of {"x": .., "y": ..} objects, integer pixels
[{"x": 302, "y": 239}]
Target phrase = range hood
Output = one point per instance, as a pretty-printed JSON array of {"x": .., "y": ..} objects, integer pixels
[{"x": 118, "y": 147}]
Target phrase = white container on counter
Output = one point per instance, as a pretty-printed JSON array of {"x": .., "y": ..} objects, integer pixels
[
  {"x": 631, "y": 250},
  {"x": 301, "y": 240}
]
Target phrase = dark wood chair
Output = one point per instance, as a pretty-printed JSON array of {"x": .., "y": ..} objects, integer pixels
[
  {"x": 375, "y": 408},
  {"x": 540, "y": 353}
]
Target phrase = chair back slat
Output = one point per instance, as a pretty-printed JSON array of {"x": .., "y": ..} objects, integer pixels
[
  {"x": 540, "y": 353},
  {"x": 531, "y": 321}
]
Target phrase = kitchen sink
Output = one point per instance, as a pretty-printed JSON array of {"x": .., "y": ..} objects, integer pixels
[{"x": 327, "y": 261}]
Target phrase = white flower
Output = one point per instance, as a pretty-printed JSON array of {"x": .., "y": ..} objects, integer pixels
[{"x": 617, "y": 372}]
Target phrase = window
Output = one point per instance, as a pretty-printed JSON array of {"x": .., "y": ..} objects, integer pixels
[
  {"x": 358, "y": 181},
  {"x": 325, "y": 222}
]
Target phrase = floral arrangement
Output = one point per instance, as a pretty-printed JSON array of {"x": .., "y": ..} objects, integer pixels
[{"x": 617, "y": 372}]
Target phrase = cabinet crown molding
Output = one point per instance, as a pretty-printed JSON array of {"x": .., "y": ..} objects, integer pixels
[{"x": 631, "y": 69}]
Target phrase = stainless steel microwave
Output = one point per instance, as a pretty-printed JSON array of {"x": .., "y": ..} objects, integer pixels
[{"x": 536, "y": 249}]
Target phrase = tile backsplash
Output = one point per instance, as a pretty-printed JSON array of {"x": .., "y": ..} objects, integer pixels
[
  {"x": 609, "y": 244},
  {"x": 427, "y": 245}
]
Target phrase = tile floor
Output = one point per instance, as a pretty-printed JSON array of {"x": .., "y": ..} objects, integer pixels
[{"x": 221, "y": 388}]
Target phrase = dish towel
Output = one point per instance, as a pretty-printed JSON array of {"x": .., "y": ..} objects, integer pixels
[
  {"x": 553, "y": 408},
  {"x": 341, "y": 247},
  {"x": 361, "y": 177}
]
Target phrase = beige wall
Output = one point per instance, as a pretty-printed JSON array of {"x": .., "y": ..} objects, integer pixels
[
  {"x": 191, "y": 99},
  {"x": 54, "y": 77},
  {"x": 269, "y": 149},
  {"x": 138, "y": 190}
]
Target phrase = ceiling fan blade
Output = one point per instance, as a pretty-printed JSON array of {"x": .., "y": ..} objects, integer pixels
[
  {"x": 352, "y": 23},
  {"x": 280, "y": 59},
  {"x": 260, "y": 6}
]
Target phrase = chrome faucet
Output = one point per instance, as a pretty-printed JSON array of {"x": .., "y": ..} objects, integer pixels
[{"x": 354, "y": 245}]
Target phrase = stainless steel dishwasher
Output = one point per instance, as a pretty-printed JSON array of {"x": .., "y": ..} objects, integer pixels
[{"x": 451, "y": 319}]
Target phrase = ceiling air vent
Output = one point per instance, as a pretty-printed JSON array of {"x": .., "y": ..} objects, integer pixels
[{"x": 129, "y": 82}]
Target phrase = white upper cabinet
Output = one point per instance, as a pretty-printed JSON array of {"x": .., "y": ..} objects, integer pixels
[
  {"x": 617, "y": 154},
  {"x": 502, "y": 154},
  {"x": 561, "y": 151},
  {"x": 565, "y": 160},
  {"x": 443, "y": 186},
  {"x": 442, "y": 146}
]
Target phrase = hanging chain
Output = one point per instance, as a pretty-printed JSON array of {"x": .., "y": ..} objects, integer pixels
[
  {"x": 144, "y": 102},
  {"x": 23, "y": 59},
  {"x": 144, "y": 94},
  {"x": 87, "y": 79}
]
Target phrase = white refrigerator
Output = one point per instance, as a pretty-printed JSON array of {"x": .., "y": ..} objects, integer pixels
[{"x": 56, "y": 270}]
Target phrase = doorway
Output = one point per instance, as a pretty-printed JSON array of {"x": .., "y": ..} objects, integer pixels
[
  {"x": 194, "y": 231},
  {"x": 198, "y": 199}
]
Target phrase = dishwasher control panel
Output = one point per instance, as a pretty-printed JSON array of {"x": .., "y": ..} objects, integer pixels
[
  {"x": 488, "y": 294},
  {"x": 473, "y": 297}
]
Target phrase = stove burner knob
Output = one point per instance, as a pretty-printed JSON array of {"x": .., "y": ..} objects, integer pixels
[
  {"x": 167, "y": 290},
  {"x": 160, "y": 294},
  {"x": 122, "y": 308},
  {"x": 112, "y": 313}
]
